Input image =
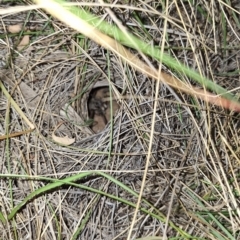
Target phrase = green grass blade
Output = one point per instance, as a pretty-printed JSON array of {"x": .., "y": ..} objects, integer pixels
[
  {"x": 55, "y": 183},
  {"x": 212, "y": 217},
  {"x": 134, "y": 42}
]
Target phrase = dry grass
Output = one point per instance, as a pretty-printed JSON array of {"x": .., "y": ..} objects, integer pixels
[{"x": 193, "y": 176}]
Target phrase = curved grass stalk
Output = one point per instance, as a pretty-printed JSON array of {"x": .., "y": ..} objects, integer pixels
[
  {"x": 71, "y": 181},
  {"x": 93, "y": 27}
]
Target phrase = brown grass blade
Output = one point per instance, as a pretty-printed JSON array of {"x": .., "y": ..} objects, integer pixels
[{"x": 109, "y": 43}]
